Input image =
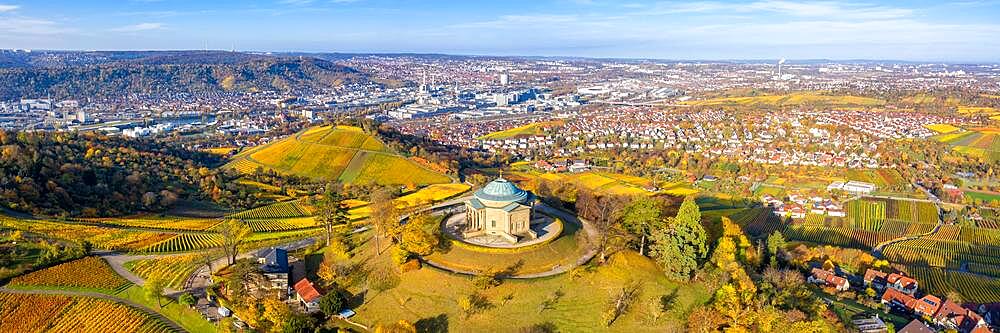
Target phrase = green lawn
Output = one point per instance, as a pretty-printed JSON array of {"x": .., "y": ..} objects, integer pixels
[
  {"x": 564, "y": 251},
  {"x": 427, "y": 296},
  {"x": 984, "y": 196}
]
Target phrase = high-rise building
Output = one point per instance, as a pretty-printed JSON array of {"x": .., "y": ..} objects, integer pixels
[{"x": 504, "y": 79}]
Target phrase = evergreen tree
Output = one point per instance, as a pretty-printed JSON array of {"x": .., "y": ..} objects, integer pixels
[
  {"x": 332, "y": 211},
  {"x": 640, "y": 218},
  {"x": 775, "y": 242},
  {"x": 679, "y": 247}
]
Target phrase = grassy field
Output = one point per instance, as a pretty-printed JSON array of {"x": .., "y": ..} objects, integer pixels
[
  {"x": 799, "y": 98},
  {"x": 984, "y": 196},
  {"x": 427, "y": 295},
  {"x": 344, "y": 153},
  {"x": 602, "y": 182},
  {"x": 942, "y": 128},
  {"x": 526, "y": 130},
  {"x": 430, "y": 194}
]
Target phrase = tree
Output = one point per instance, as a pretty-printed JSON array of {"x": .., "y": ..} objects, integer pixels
[
  {"x": 775, "y": 244},
  {"x": 384, "y": 216},
  {"x": 298, "y": 323},
  {"x": 187, "y": 299},
  {"x": 331, "y": 303},
  {"x": 679, "y": 247},
  {"x": 416, "y": 239},
  {"x": 332, "y": 211},
  {"x": 233, "y": 233},
  {"x": 276, "y": 311},
  {"x": 154, "y": 289},
  {"x": 602, "y": 212},
  {"x": 640, "y": 217},
  {"x": 620, "y": 304}
]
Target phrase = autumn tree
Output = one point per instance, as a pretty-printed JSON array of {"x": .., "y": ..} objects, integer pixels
[
  {"x": 332, "y": 211},
  {"x": 415, "y": 237},
  {"x": 775, "y": 244},
  {"x": 154, "y": 289},
  {"x": 603, "y": 212},
  {"x": 682, "y": 244},
  {"x": 384, "y": 217},
  {"x": 640, "y": 217},
  {"x": 234, "y": 233}
]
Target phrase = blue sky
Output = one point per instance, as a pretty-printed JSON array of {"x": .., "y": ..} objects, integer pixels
[{"x": 765, "y": 29}]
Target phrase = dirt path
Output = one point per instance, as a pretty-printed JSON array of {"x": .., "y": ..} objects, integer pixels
[{"x": 173, "y": 325}]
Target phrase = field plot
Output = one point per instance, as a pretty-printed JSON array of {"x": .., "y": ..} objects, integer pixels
[
  {"x": 185, "y": 242},
  {"x": 345, "y": 153},
  {"x": 973, "y": 288},
  {"x": 602, "y": 182},
  {"x": 174, "y": 270},
  {"x": 282, "y": 224},
  {"x": 276, "y": 211},
  {"x": 977, "y": 142},
  {"x": 526, "y": 130},
  {"x": 101, "y": 237},
  {"x": 942, "y": 128},
  {"x": 84, "y": 273},
  {"x": 790, "y": 99},
  {"x": 57, "y": 313},
  {"x": 159, "y": 222}
]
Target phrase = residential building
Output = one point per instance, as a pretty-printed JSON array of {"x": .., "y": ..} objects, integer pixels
[
  {"x": 307, "y": 294},
  {"x": 274, "y": 266}
]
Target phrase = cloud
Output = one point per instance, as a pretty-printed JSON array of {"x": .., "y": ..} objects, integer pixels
[
  {"x": 30, "y": 26},
  {"x": 827, "y": 9},
  {"x": 8, "y": 8},
  {"x": 139, "y": 27}
]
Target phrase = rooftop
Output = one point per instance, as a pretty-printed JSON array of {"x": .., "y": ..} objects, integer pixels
[{"x": 501, "y": 189}]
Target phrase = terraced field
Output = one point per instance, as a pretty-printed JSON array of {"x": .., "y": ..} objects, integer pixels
[
  {"x": 344, "y": 153},
  {"x": 174, "y": 270},
  {"x": 57, "y": 313}
]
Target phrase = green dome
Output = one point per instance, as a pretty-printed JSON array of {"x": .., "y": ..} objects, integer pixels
[{"x": 501, "y": 190}]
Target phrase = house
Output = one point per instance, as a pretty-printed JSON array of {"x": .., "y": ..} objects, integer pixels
[
  {"x": 897, "y": 298},
  {"x": 927, "y": 305},
  {"x": 836, "y": 213},
  {"x": 870, "y": 325},
  {"x": 797, "y": 212},
  {"x": 307, "y": 294},
  {"x": 828, "y": 278},
  {"x": 902, "y": 283},
  {"x": 915, "y": 326},
  {"x": 274, "y": 266},
  {"x": 954, "y": 316},
  {"x": 579, "y": 166},
  {"x": 875, "y": 279}
]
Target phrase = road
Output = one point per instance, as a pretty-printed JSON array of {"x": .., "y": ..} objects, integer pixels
[{"x": 173, "y": 325}]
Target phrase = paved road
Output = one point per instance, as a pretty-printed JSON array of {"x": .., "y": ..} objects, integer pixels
[
  {"x": 112, "y": 298},
  {"x": 562, "y": 215}
]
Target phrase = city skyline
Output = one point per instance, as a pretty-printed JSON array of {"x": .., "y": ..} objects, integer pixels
[{"x": 703, "y": 30}]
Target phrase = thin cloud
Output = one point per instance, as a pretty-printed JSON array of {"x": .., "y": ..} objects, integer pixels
[
  {"x": 139, "y": 27},
  {"x": 8, "y": 8},
  {"x": 828, "y": 9}
]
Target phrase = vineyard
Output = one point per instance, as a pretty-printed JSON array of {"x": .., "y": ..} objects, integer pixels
[
  {"x": 174, "y": 270},
  {"x": 758, "y": 222},
  {"x": 101, "y": 237},
  {"x": 867, "y": 215},
  {"x": 276, "y": 211},
  {"x": 267, "y": 225},
  {"x": 185, "y": 242},
  {"x": 85, "y": 273},
  {"x": 972, "y": 287},
  {"x": 940, "y": 253},
  {"x": 57, "y": 313},
  {"x": 165, "y": 222}
]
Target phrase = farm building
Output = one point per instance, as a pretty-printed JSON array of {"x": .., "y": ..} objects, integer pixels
[
  {"x": 828, "y": 278},
  {"x": 859, "y": 187}
]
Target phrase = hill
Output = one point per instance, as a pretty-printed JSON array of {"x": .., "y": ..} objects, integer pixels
[
  {"x": 72, "y": 75},
  {"x": 342, "y": 153}
]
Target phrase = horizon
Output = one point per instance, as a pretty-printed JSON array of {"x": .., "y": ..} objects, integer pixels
[{"x": 705, "y": 30}]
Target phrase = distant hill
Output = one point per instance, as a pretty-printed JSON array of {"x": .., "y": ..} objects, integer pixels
[
  {"x": 100, "y": 74},
  {"x": 343, "y": 153}
]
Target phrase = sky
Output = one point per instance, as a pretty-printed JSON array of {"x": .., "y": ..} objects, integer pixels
[{"x": 966, "y": 31}]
